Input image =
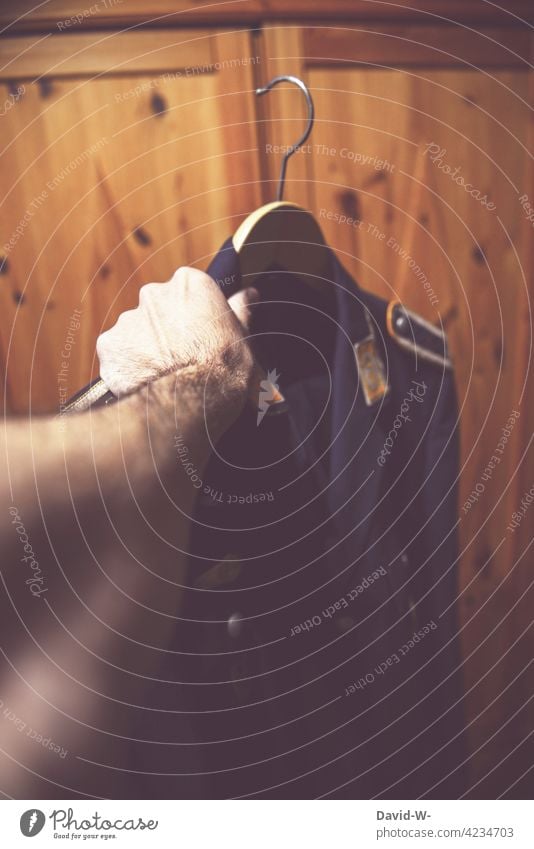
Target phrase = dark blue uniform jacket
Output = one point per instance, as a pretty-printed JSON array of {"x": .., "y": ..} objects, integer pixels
[{"x": 318, "y": 650}]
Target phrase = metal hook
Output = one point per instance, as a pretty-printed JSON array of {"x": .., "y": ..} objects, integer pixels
[{"x": 311, "y": 116}]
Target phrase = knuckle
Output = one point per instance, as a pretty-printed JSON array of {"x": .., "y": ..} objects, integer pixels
[
  {"x": 124, "y": 318},
  {"x": 179, "y": 275},
  {"x": 104, "y": 336},
  {"x": 192, "y": 277},
  {"x": 102, "y": 344},
  {"x": 112, "y": 336},
  {"x": 147, "y": 292}
]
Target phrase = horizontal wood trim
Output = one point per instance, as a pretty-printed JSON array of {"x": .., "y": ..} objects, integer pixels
[
  {"x": 23, "y": 15},
  {"x": 411, "y": 45},
  {"x": 107, "y": 52},
  {"x": 193, "y": 50}
]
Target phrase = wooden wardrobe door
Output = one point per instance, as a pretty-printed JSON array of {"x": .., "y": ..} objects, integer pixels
[{"x": 124, "y": 155}]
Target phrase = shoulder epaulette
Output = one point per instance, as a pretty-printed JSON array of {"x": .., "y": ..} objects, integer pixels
[{"x": 415, "y": 334}]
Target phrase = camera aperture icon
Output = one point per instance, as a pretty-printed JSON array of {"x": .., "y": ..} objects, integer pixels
[{"x": 269, "y": 394}]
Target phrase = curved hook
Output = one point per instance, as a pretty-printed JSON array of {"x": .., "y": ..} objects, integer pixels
[{"x": 311, "y": 116}]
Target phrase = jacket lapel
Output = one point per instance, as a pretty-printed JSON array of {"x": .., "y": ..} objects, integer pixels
[{"x": 357, "y": 435}]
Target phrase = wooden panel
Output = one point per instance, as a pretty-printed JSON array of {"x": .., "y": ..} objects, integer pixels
[
  {"x": 28, "y": 14},
  {"x": 416, "y": 45},
  {"x": 116, "y": 52},
  {"x": 106, "y": 185},
  {"x": 382, "y": 173},
  {"x": 192, "y": 52}
]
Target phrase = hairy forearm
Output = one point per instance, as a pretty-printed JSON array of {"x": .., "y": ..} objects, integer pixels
[
  {"x": 81, "y": 462},
  {"x": 121, "y": 456},
  {"x": 94, "y": 535}
]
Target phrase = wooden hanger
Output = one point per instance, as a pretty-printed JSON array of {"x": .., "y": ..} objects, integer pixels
[{"x": 284, "y": 234}]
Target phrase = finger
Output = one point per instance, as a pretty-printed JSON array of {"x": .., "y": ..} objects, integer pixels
[{"x": 242, "y": 303}]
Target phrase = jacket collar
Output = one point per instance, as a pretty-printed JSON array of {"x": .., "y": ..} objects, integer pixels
[{"x": 224, "y": 269}]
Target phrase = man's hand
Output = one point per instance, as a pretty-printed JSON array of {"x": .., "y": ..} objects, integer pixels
[{"x": 186, "y": 322}]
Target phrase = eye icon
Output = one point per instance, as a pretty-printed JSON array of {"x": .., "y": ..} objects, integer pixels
[{"x": 32, "y": 822}]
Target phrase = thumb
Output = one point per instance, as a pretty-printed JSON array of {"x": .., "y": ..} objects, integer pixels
[{"x": 242, "y": 302}]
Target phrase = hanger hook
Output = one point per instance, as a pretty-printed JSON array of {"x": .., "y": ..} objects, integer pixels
[{"x": 307, "y": 131}]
